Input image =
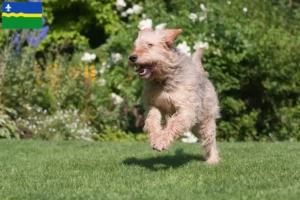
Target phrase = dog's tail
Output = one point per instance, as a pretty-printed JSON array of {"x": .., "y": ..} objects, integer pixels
[{"x": 196, "y": 58}]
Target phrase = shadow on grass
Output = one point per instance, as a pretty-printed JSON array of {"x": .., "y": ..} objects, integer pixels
[{"x": 164, "y": 162}]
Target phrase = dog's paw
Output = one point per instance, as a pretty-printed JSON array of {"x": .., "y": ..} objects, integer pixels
[
  {"x": 152, "y": 137},
  {"x": 160, "y": 142},
  {"x": 213, "y": 160}
]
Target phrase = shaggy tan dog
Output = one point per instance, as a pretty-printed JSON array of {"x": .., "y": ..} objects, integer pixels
[{"x": 178, "y": 96}]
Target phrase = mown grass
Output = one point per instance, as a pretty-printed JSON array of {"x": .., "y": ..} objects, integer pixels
[{"x": 132, "y": 170}]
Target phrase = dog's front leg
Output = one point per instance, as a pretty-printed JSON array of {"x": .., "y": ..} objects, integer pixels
[
  {"x": 153, "y": 123},
  {"x": 180, "y": 122}
]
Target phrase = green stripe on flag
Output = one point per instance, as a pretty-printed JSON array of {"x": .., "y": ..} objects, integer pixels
[{"x": 21, "y": 22}]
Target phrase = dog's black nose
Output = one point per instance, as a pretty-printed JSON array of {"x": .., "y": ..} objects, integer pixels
[{"x": 133, "y": 57}]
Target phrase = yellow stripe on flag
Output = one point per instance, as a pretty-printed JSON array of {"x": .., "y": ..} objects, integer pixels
[{"x": 20, "y": 15}]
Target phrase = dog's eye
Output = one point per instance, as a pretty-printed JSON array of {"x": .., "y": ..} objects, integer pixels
[{"x": 150, "y": 45}]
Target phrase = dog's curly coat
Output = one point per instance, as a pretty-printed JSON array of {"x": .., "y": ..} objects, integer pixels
[{"x": 178, "y": 96}]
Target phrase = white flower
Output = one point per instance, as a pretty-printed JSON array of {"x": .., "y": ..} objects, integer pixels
[
  {"x": 116, "y": 57},
  {"x": 245, "y": 10},
  {"x": 101, "y": 71},
  {"x": 119, "y": 86},
  {"x": 120, "y": 4},
  {"x": 117, "y": 99},
  {"x": 105, "y": 65},
  {"x": 202, "y": 7},
  {"x": 129, "y": 11},
  {"x": 201, "y": 18},
  {"x": 229, "y": 2},
  {"x": 184, "y": 48},
  {"x": 190, "y": 138},
  {"x": 217, "y": 52},
  {"x": 75, "y": 112},
  {"x": 201, "y": 45},
  {"x": 212, "y": 35},
  {"x": 102, "y": 81},
  {"x": 86, "y": 138},
  {"x": 124, "y": 14},
  {"x": 193, "y": 16},
  {"x": 160, "y": 26},
  {"x": 144, "y": 15},
  {"x": 146, "y": 23},
  {"x": 137, "y": 8},
  {"x": 28, "y": 107},
  {"x": 88, "y": 57}
]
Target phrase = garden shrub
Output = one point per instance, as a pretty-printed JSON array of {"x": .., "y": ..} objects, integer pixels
[
  {"x": 253, "y": 59},
  {"x": 8, "y": 127},
  {"x": 63, "y": 124},
  {"x": 251, "y": 53}
]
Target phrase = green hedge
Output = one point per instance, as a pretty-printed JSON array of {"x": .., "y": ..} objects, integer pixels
[{"x": 253, "y": 59}]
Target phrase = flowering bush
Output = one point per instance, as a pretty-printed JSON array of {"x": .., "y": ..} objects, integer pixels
[
  {"x": 63, "y": 124},
  {"x": 244, "y": 60},
  {"x": 251, "y": 56}
]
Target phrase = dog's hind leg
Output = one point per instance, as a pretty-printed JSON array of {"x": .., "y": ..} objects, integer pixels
[{"x": 206, "y": 132}]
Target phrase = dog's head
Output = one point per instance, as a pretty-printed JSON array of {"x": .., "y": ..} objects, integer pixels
[{"x": 153, "y": 53}]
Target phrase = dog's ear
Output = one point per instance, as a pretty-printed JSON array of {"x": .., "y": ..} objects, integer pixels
[
  {"x": 145, "y": 30},
  {"x": 171, "y": 35}
]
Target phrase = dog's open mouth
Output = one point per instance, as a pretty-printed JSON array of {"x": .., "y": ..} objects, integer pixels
[{"x": 144, "y": 70}]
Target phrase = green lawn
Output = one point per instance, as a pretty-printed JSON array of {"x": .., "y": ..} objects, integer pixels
[{"x": 83, "y": 170}]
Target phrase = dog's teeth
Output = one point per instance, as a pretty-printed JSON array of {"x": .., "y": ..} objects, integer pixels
[{"x": 143, "y": 72}]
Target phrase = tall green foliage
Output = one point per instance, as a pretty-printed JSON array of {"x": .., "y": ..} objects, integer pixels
[{"x": 253, "y": 60}]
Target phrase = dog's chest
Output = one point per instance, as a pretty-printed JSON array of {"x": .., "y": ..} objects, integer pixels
[{"x": 161, "y": 99}]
